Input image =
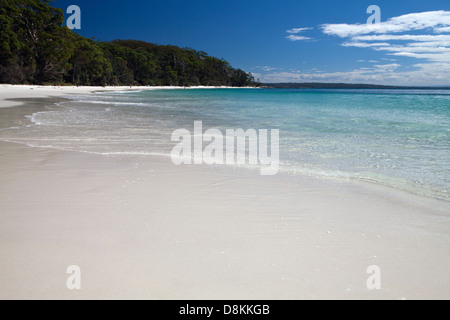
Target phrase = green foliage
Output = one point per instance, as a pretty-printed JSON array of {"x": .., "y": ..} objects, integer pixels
[
  {"x": 89, "y": 65},
  {"x": 36, "y": 48}
]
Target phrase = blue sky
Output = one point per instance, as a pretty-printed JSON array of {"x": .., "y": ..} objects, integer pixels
[{"x": 291, "y": 41}]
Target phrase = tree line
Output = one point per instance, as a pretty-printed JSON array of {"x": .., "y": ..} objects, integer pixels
[{"x": 36, "y": 48}]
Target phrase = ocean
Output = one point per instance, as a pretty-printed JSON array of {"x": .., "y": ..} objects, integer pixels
[{"x": 396, "y": 138}]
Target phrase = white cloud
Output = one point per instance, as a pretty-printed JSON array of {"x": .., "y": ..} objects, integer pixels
[
  {"x": 436, "y": 20},
  {"x": 294, "y": 31},
  {"x": 256, "y": 75},
  {"x": 442, "y": 29},
  {"x": 432, "y": 47},
  {"x": 405, "y": 37},
  {"x": 297, "y": 38},
  {"x": 415, "y": 35},
  {"x": 297, "y": 30},
  {"x": 266, "y": 68},
  {"x": 282, "y": 77},
  {"x": 426, "y": 74},
  {"x": 439, "y": 51},
  {"x": 365, "y": 45},
  {"x": 430, "y": 44},
  {"x": 435, "y": 57},
  {"x": 387, "y": 67},
  {"x": 414, "y": 49}
]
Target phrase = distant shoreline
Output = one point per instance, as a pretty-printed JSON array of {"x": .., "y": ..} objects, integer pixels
[
  {"x": 11, "y": 91},
  {"x": 119, "y": 87},
  {"x": 264, "y": 86},
  {"x": 344, "y": 86}
]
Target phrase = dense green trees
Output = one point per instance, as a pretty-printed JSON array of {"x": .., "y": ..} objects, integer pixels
[{"x": 36, "y": 48}]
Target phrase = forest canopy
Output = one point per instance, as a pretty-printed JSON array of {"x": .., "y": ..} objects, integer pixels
[{"x": 36, "y": 48}]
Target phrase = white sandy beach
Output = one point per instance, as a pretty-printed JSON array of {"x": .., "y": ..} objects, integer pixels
[{"x": 147, "y": 229}]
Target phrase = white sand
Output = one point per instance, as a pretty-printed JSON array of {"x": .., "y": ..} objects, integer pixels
[{"x": 146, "y": 229}]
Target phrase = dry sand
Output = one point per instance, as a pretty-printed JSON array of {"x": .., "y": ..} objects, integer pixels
[{"x": 143, "y": 228}]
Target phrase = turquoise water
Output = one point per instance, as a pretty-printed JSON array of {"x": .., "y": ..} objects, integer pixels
[{"x": 399, "y": 138}]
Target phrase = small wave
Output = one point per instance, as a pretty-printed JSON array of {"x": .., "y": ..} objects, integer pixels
[
  {"x": 130, "y": 153},
  {"x": 118, "y": 103},
  {"x": 379, "y": 179},
  {"x": 33, "y": 118}
]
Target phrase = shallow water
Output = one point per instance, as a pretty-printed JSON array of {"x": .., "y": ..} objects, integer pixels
[{"x": 399, "y": 138}]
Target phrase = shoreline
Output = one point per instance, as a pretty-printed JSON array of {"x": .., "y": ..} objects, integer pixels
[
  {"x": 146, "y": 229},
  {"x": 40, "y": 91}
]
